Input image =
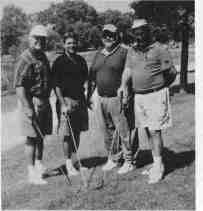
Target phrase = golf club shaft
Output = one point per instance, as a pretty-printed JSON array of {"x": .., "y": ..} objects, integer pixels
[
  {"x": 37, "y": 128},
  {"x": 67, "y": 178},
  {"x": 74, "y": 143}
]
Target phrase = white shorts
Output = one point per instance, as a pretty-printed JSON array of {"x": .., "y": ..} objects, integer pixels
[{"x": 153, "y": 110}]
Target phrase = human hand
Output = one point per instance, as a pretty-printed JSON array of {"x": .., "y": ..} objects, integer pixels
[
  {"x": 29, "y": 112},
  {"x": 64, "y": 109}
]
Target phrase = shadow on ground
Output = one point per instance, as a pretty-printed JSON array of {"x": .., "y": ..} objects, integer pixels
[
  {"x": 172, "y": 160},
  {"x": 87, "y": 162}
]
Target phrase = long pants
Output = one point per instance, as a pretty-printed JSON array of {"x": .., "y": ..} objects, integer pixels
[{"x": 110, "y": 117}]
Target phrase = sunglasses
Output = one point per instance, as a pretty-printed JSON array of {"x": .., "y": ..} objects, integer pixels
[
  {"x": 39, "y": 38},
  {"x": 108, "y": 34}
]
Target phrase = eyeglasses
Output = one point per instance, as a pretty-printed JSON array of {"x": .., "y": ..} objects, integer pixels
[
  {"x": 108, "y": 34},
  {"x": 39, "y": 38}
]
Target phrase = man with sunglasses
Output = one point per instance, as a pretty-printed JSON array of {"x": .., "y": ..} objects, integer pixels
[
  {"x": 33, "y": 86},
  {"x": 147, "y": 63},
  {"x": 105, "y": 74}
]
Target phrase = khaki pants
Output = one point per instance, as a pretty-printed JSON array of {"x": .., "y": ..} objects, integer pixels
[{"x": 110, "y": 118}]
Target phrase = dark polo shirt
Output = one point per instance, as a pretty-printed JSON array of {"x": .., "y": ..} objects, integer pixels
[
  {"x": 70, "y": 75},
  {"x": 106, "y": 71}
]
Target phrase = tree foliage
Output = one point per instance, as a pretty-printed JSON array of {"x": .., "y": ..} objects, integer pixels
[
  {"x": 171, "y": 14},
  {"x": 178, "y": 17},
  {"x": 14, "y": 24}
]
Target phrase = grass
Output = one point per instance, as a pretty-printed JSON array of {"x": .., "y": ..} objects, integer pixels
[{"x": 130, "y": 191}]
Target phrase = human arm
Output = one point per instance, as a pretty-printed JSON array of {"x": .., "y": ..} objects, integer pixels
[
  {"x": 91, "y": 85},
  {"x": 56, "y": 74},
  {"x": 22, "y": 82},
  {"x": 123, "y": 91},
  {"x": 168, "y": 68}
]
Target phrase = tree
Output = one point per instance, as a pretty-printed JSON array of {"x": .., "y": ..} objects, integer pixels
[
  {"x": 14, "y": 24},
  {"x": 177, "y": 16},
  {"x": 67, "y": 13},
  {"x": 95, "y": 35}
]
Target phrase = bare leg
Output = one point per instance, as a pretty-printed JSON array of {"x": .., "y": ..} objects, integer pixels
[
  {"x": 157, "y": 143},
  {"x": 67, "y": 147},
  {"x": 39, "y": 149},
  {"x": 157, "y": 170},
  {"x": 134, "y": 140},
  {"x": 30, "y": 150}
]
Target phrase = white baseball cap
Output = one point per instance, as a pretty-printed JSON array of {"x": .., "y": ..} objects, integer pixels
[
  {"x": 39, "y": 30},
  {"x": 110, "y": 27},
  {"x": 138, "y": 23}
]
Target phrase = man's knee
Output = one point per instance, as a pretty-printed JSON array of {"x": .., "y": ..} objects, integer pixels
[{"x": 67, "y": 139}]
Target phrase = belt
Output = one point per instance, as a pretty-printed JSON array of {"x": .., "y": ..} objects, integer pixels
[
  {"x": 108, "y": 95},
  {"x": 149, "y": 90}
]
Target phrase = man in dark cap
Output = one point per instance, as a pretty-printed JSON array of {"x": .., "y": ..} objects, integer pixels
[{"x": 105, "y": 74}]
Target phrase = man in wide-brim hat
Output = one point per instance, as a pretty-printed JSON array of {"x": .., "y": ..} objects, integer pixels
[{"x": 33, "y": 85}]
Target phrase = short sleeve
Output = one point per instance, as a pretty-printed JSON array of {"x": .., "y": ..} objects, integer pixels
[
  {"x": 56, "y": 73},
  {"x": 22, "y": 74}
]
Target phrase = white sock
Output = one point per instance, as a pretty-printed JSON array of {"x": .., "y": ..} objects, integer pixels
[
  {"x": 69, "y": 161},
  {"x": 30, "y": 167},
  {"x": 157, "y": 159},
  {"x": 38, "y": 162}
]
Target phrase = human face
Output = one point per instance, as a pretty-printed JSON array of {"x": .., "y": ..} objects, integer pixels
[
  {"x": 141, "y": 37},
  {"x": 109, "y": 39},
  {"x": 37, "y": 42},
  {"x": 70, "y": 45}
]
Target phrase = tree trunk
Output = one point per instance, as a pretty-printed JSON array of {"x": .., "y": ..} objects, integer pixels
[{"x": 184, "y": 56}]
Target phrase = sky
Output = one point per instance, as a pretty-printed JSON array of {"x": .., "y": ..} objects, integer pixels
[{"x": 31, "y": 6}]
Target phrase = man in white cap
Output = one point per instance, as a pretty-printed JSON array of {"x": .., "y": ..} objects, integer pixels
[
  {"x": 147, "y": 64},
  {"x": 33, "y": 85},
  {"x": 105, "y": 74}
]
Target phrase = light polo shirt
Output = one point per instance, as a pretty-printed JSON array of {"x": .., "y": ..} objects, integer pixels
[{"x": 147, "y": 67}]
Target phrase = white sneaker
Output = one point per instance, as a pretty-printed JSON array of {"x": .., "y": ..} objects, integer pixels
[
  {"x": 39, "y": 181},
  {"x": 156, "y": 173},
  {"x": 147, "y": 170},
  {"x": 34, "y": 177},
  {"x": 70, "y": 168},
  {"x": 40, "y": 167},
  {"x": 127, "y": 167},
  {"x": 109, "y": 165}
]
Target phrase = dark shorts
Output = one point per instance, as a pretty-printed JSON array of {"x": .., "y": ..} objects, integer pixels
[
  {"x": 44, "y": 119},
  {"x": 78, "y": 120}
]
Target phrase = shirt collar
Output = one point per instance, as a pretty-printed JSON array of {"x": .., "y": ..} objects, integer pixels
[
  {"x": 153, "y": 45},
  {"x": 149, "y": 47},
  {"x": 107, "y": 53}
]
